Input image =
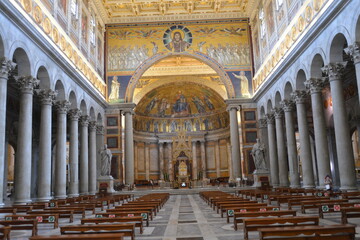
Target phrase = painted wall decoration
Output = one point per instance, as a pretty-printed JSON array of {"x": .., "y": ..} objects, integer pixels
[
  {"x": 129, "y": 45},
  {"x": 242, "y": 82},
  {"x": 84, "y": 26},
  {"x": 63, "y": 6}
]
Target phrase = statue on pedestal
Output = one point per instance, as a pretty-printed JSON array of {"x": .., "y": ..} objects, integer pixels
[
  {"x": 105, "y": 161},
  {"x": 258, "y": 154}
]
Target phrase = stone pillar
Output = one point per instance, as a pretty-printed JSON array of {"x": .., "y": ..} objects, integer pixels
[
  {"x": 47, "y": 98},
  {"x": 194, "y": 161},
  {"x": 217, "y": 157},
  {"x": 24, "y": 140},
  {"x": 322, "y": 151},
  {"x": 170, "y": 165},
  {"x": 273, "y": 156},
  {"x": 235, "y": 142},
  {"x": 6, "y": 67},
  {"x": 147, "y": 161},
  {"x": 99, "y": 145},
  {"x": 228, "y": 147},
  {"x": 161, "y": 160},
  {"x": 92, "y": 157},
  {"x": 280, "y": 140},
  {"x": 136, "y": 160},
  {"x": 74, "y": 152},
  {"x": 60, "y": 164},
  {"x": 341, "y": 125},
  {"x": 354, "y": 52},
  {"x": 84, "y": 155},
  {"x": 129, "y": 147},
  {"x": 203, "y": 159},
  {"x": 305, "y": 150},
  {"x": 288, "y": 107}
]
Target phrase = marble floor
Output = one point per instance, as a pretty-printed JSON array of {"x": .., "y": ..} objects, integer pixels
[{"x": 184, "y": 217}]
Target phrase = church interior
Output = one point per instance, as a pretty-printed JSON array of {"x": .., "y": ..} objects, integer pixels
[{"x": 180, "y": 119}]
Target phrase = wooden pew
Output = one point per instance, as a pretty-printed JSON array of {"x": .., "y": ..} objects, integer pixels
[
  {"x": 39, "y": 217},
  {"x": 8, "y": 210},
  {"x": 21, "y": 225},
  {"x": 5, "y": 232},
  {"x": 349, "y": 213},
  {"x": 225, "y": 208},
  {"x": 231, "y": 211},
  {"x": 136, "y": 208},
  {"x": 238, "y": 217},
  {"x": 316, "y": 203},
  {"x": 127, "y": 229},
  {"x": 124, "y": 214},
  {"x": 88, "y": 206},
  {"x": 75, "y": 210},
  {"x": 331, "y": 208},
  {"x": 137, "y": 220},
  {"x": 143, "y": 212},
  {"x": 66, "y": 213},
  {"x": 218, "y": 204},
  {"x": 103, "y": 236},
  {"x": 320, "y": 232},
  {"x": 253, "y": 224},
  {"x": 296, "y": 201}
]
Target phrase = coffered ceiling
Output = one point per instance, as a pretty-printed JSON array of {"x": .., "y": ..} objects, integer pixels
[{"x": 127, "y": 11}]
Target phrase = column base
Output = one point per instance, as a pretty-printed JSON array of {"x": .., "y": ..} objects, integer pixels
[
  {"x": 92, "y": 193},
  {"x": 309, "y": 186},
  {"x": 73, "y": 195},
  {"x": 61, "y": 197},
  {"x": 84, "y": 193},
  {"x": 349, "y": 188},
  {"x": 295, "y": 186},
  {"x": 22, "y": 201},
  {"x": 2, "y": 204},
  {"x": 44, "y": 199}
]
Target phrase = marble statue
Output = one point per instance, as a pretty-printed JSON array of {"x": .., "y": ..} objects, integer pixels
[
  {"x": 258, "y": 154},
  {"x": 105, "y": 161}
]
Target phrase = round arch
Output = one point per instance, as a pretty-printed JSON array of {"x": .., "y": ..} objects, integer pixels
[
  {"x": 99, "y": 120},
  {"x": 92, "y": 114},
  {"x": 288, "y": 90},
  {"x": 73, "y": 100},
  {"x": 129, "y": 95},
  {"x": 59, "y": 87},
  {"x": 277, "y": 99},
  {"x": 300, "y": 80},
  {"x": 316, "y": 64},
  {"x": 269, "y": 107},
  {"x": 83, "y": 108},
  {"x": 2, "y": 47},
  {"x": 23, "y": 67},
  {"x": 43, "y": 76}
]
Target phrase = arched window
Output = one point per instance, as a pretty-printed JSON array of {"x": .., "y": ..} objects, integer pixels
[
  {"x": 92, "y": 30},
  {"x": 279, "y": 3},
  {"x": 262, "y": 23},
  {"x": 74, "y": 9}
]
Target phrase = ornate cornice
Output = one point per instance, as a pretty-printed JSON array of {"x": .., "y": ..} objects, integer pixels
[
  {"x": 334, "y": 71},
  {"x": 354, "y": 52}
]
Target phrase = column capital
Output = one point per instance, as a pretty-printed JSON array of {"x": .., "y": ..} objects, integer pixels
[
  {"x": 47, "y": 97},
  {"x": 299, "y": 96},
  {"x": 232, "y": 106},
  {"x": 287, "y": 105},
  {"x": 270, "y": 118},
  {"x": 262, "y": 123},
  {"x": 127, "y": 110},
  {"x": 84, "y": 121},
  {"x": 99, "y": 130},
  {"x": 92, "y": 126},
  {"x": 278, "y": 112},
  {"x": 316, "y": 85},
  {"x": 74, "y": 114},
  {"x": 334, "y": 71},
  {"x": 62, "y": 106},
  {"x": 354, "y": 52},
  {"x": 6, "y": 67},
  {"x": 27, "y": 83}
]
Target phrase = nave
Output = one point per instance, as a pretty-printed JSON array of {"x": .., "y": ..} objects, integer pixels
[{"x": 188, "y": 216}]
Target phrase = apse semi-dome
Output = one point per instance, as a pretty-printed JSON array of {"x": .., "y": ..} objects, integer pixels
[{"x": 186, "y": 104}]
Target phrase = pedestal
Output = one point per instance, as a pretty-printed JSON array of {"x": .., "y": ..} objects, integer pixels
[
  {"x": 106, "y": 182},
  {"x": 261, "y": 176}
]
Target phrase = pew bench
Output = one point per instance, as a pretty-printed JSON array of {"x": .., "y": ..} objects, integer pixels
[
  {"x": 253, "y": 224},
  {"x": 5, "y": 232},
  {"x": 61, "y": 213},
  {"x": 144, "y": 217},
  {"x": 75, "y": 210},
  {"x": 218, "y": 205},
  {"x": 39, "y": 217},
  {"x": 316, "y": 203},
  {"x": 323, "y": 232},
  {"x": 331, "y": 208},
  {"x": 225, "y": 208},
  {"x": 103, "y": 236},
  {"x": 349, "y": 213},
  {"x": 138, "y": 221},
  {"x": 127, "y": 229},
  {"x": 296, "y": 201},
  {"x": 232, "y": 211},
  {"x": 22, "y": 225},
  {"x": 238, "y": 217}
]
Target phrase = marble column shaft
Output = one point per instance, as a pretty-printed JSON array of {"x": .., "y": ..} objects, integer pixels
[
  {"x": 235, "y": 142},
  {"x": 322, "y": 151},
  {"x": 341, "y": 125},
  {"x": 203, "y": 159},
  {"x": 84, "y": 155},
  {"x": 274, "y": 165},
  {"x": 74, "y": 152},
  {"x": 281, "y": 149},
  {"x": 264, "y": 138},
  {"x": 228, "y": 147},
  {"x": 24, "y": 140},
  {"x": 147, "y": 161},
  {"x": 218, "y": 160},
  {"x": 305, "y": 150},
  {"x": 354, "y": 52},
  {"x": 161, "y": 160},
  {"x": 99, "y": 144},
  {"x": 6, "y": 67},
  {"x": 60, "y": 162},
  {"x": 129, "y": 147},
  {"x": 170, "y": 165},
  {"x": 47, "y": 98},
  {"x": 92, "y": 157},
  {"x": 194, "y": 161},
  {"x": 288, "y": 107}
]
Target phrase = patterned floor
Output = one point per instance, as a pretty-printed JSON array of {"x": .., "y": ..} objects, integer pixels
[{"x": 184, "y": 217}]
